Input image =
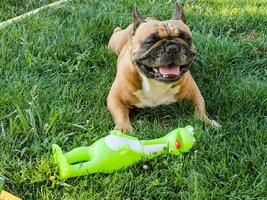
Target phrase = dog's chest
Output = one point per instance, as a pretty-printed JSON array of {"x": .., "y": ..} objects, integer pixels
[{"x": 154, "y": 93}]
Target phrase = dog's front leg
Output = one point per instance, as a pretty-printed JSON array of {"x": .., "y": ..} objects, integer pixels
[
  {"x": 120, "y": 113},
  {"x": 200, "y": 110},
  {"x": 199, "y": 104}
]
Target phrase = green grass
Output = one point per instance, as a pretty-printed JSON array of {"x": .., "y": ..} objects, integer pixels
[
  {"x": 55, "y": 73},
  {"x": 13, "y": 8}
]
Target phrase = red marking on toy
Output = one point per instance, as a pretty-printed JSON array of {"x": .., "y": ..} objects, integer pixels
[{"x": 177, "y": 144}]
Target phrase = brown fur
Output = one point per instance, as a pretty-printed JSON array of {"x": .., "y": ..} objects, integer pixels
[{"x": 131, "y": 89}]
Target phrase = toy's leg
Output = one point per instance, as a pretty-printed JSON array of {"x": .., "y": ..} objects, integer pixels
[
  {"x": 60, "y": 159},
  {"x": 64, "y": 161},
  {"x": 79, "y": 154},
  {"x": 85, "y": 168}
]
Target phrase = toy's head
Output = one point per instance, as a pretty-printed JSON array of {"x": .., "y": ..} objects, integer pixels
[{"x": 180, "y": 140}]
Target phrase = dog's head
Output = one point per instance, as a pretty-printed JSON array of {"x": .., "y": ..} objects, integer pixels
[{"x": 162, "y": 50}]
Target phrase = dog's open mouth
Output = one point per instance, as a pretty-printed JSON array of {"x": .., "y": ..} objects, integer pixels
[{"x": 168, "y": 73}]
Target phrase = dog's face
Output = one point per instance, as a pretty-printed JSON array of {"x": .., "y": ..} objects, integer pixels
[{"x": 162, "y": 50}]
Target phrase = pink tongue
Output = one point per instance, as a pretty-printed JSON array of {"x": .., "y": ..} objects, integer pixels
[{"x": 174, "y": 70}]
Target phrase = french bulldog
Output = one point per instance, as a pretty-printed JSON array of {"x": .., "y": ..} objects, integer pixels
[{"x": 153, "y": 67}]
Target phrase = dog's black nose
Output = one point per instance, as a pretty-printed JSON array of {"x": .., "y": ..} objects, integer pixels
[{"x": 172, "y": 48}]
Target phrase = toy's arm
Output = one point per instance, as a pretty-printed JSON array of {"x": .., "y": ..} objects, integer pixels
[
  {"x": 155, "y": 147},
  {"x": 121, "y": 134},
  {"x": 151, "y": 148},
  {"x": 117, "y": 141}
]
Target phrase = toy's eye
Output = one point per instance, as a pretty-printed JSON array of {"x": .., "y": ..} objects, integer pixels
[
  {"x": 191, "y": 130},
  {"x": 177, "y": 144}
]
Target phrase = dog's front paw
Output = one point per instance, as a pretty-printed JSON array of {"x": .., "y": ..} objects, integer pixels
[
  {"x": 207, "y": 120},
  {"x": 214, "y": 124},
  {"x": 124, "y": 127}
]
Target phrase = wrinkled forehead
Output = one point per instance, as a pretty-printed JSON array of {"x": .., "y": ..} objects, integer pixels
[{"x": 170, "y": 28}]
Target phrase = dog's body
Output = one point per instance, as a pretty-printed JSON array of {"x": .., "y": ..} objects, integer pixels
[{"x": 153, "y": 73}]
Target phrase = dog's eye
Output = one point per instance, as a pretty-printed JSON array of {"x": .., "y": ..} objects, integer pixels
[
  {"x": 187, "y": 39},
  {"x": 149, "y": 41}
]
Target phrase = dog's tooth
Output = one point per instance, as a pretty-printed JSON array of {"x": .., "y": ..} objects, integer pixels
[{"x": 155, "y": 70}]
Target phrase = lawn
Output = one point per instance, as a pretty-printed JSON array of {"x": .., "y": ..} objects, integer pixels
[
  {"x": 13, "y": 8},
  {"x": 55, "y": 73}
]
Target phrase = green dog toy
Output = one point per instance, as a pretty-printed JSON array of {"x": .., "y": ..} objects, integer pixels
[{"x": 118, "y": 150}]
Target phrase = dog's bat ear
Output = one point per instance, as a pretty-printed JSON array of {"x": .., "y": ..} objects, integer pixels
[
  {"x": 178, "y": 13},
  {"x": 137, "y": 19}
]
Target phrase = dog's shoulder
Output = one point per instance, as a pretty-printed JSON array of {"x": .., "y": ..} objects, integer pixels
[{"x": 119, "y": 38}]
